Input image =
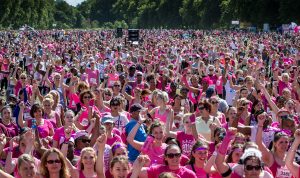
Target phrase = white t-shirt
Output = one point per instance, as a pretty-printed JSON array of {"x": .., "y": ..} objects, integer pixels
[
  {"x": 120, "y": 121},
  {"x": 230, "y": 93},
  {"x": 267, "y": 136}
]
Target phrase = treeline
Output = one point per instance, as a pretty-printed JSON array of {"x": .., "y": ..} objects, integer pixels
[{"x": 205, "y": 14}]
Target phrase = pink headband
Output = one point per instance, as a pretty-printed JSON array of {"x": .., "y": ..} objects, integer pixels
[{"x": 200, "y": 148}]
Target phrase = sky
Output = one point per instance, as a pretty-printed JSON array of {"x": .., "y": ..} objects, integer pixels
[{"x": 74, "y": 2}]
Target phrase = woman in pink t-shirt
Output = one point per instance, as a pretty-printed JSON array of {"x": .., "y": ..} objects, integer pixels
[
  {"x": 59, "y": 135},
  {"x": 186, "y": 138},
  {"x": 49, "y": 113},
  {"x": 198, "y": 162},
  {"x": 162, "y": 112},
  {"x": 172, "y": 158},
  {"x": 153, "y": 146},
  {"x": 45, "y": 128}
]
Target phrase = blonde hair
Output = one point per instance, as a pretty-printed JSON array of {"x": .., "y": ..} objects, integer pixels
[
  {"x": 83, "y": 151},
  {"x": 48, "y": 98}
]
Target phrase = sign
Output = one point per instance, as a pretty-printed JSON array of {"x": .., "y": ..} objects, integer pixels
[
  {"x": 133, "y": 34},
  {"x": 235, "y": 22}
]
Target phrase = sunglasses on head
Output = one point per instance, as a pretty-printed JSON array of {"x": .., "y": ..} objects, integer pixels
[
  {"x": 85, "y": 140},
  {"x": 53, "y": 161},
  {"x": 201, "y": 108},
  {"x": 172, "y": 155},
  {"x": 250, "y": 167}
]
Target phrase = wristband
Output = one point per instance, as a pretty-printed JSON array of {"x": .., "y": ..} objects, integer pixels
[{"x": 9, "y": 149}]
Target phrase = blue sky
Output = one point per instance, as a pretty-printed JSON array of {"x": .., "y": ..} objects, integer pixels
[{"x": 74, "y": 2}]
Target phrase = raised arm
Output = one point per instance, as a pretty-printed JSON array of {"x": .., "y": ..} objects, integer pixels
[
  {"x": 21, "y": 122},
  {"x": 273, "y": 106},
  {"x": 130, "y": 139},
  {"x": 290, "y": 157},
  {"x": 267, "y": 154},
  {"x": 223, "y": 168},
  {"x": 100, "y": 168},
  {"x": 137, "y": 169}
]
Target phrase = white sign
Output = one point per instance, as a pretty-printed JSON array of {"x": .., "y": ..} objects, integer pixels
[{"x": 235, "y": 22}]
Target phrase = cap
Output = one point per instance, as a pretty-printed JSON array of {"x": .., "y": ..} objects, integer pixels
[
  {"x": 209, "y": 92},
  {"x": 80, "y": 134},
  {"x": 107, "y": 119},
  {"x": 136, "y": 107}
]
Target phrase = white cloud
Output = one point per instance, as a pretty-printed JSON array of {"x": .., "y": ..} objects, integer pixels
[{"x": 74, "y": 2}]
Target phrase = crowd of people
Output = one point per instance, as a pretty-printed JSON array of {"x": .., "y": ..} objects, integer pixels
[{"x": 85, "y": 104}]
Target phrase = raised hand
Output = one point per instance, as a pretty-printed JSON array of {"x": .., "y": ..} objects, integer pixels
[{"x": 101, "y": 141}]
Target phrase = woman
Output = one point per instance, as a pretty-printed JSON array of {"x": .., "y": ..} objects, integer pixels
[
  {"x": 198, "y": 162},
  {"x": 273, "y": 159},
  {"x": 290, "y": 163},
  {"x": 186, "y": 138},
  {"x": 162, "y": 112},
  {"x": 242, "y": 106},
  {"x": 44, "y": 126},
  {"x": 235, "y": 154},
  {"x": 231, "y": 117},
  {"x": 49, "y": 113},
  {"x": 6, "y": 120},
  {"x": 26, "y": 166},
  {"x": 136, "y": 98},
  {"x": 153, "y": 146},
  {"x": 54, "y": 165},
  {"x": 177, "y": 107},
  {"x": 88, "y": 108},
  {"x": 256, "y": 106},
  {"x": 214, "y": 101},
  {"x": 172, "y": 158},
  {"x": 205, "y": 120},
  {"x": 251, "y": 160},
  {"x": 119, "y": 118},
  {"x": 59, "y": 135}
]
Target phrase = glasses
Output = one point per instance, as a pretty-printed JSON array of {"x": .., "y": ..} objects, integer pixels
[
  {"x": 172, "y": 155},
  {"x": 201, "y": 108},
  {"x": 87, "y": 97},
  {"x": 107, "y": 94},
  {"x": 214, "y": 102},
  {"x": 85, "y": 140},
  {"x": 116, "y": 85},
  {"x": 57, "y": 161},
  {"x": 250, "y": 168},
  {"x": 22, "y": 78}
]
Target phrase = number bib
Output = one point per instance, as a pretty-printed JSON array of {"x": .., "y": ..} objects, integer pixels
[{"x": 283, "y": 172}]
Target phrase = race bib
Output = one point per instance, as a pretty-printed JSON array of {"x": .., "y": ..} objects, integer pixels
[
  {"x": 27, "y": 116},
  {"x": 93, "y": 80},
  {"x": 73, "y": 103},
  {"x": 283, "y": 172},
  {"x": 85, "y": 122}
]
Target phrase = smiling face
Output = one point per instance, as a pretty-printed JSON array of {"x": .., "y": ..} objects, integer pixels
[
  {"x": 53, "y": 163},
  {"x": 27, "y": 169},
  {"x": 200, "y": 154},
  {"x": 120, "y": 170},
  {"x": 88, "y": 159},
  {"x": 158, "y": 133},
  {"x": 252, "y": 168},
  {"x": 173, "y": 156}
]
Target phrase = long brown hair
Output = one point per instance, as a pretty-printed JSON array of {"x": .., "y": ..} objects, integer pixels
[{"x": 63, "y": 173}]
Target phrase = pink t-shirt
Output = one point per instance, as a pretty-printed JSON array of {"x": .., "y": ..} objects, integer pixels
[
  {"x": 74, "y": 100},
  {"x": 112, "y": 78},
  {"x": 83, "y": 119},
  {"x": 186, "y": 142},
  {"x": 156, "y": 154},
  {"x": 93, "y": 75},
  {"x": 182, "y": 172},
  {"x": 200, "y": 173},
  {"x": 116, "y": 138},
  {"x": 60, "y": 132},
  {"x": 282, "y": 86},
  {"x": 44, "y": 129}
]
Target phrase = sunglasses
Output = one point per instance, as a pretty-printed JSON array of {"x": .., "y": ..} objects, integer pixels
[
  {"x": 116, "y": 85},
  {"x": 85, "y": 140},
  {"x": 172, "y": 155},
  {"x": 250, "y": 168},
  {"x": 201, "y": 108},
  {"x": 53, "y": 161},
  {"x": 87, "y": 97}
]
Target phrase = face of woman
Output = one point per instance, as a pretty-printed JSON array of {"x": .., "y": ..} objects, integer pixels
[
  {"x": 252, "y": 168},
  {"x": 120, "y": 170},
  {"x": 23, "y": 79},
  {"x": 107, "y": 96},
  {"x": 120, "y": 151},
  {"x": 88, "y": 160},
  {"x": 86, "y": 98},
  {"x": 6, "y": 114},
  {"x": 289, "y": 105},
  {"x": 231, "y": 114},
  {"x": 158, "y": 133},
  {"x": 160, "y": 101},
  {"x": 53, "y": 163},
  {"x": 200, "y": 154},
  {"x": 236, "y": 155},
  {"x": 214, "y": 103},
  {"x": 47, "y": 105},
  {"x": 69, "y": 119},
  {"x": 244, "y": 94},
  {"x": 27, "y": 170},
  {"x": 22, "y": 146},
  {"x": 282, "y": 144},
  {"x": 286, "y": 94},
  {"x": 173, "y": 156},
  {"x": 38, "y": 114},
  {"x": 259, "y": 106},
  {"x": 187, "y": 123}
]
